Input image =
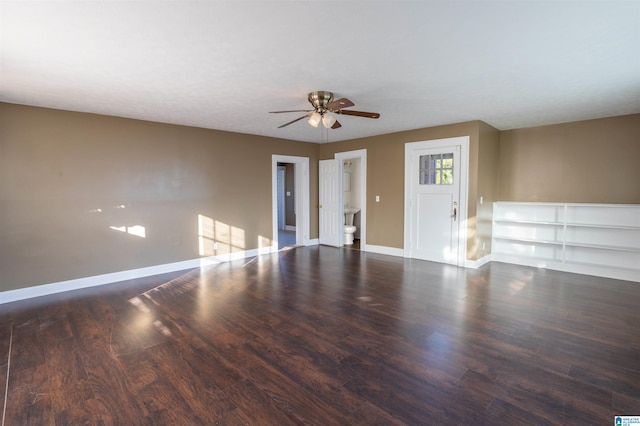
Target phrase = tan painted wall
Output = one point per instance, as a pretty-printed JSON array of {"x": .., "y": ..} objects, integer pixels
[
  {"x": 488, "y": 165},
  {"x": 594, "y": 161},
  {"x": 65, "y": 176},
  {"x": 385, "y": 177}
]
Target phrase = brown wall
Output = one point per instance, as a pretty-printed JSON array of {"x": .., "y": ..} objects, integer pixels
[
  {"x": 594, "y": 161},
  {"x": 64, "y": 176}
]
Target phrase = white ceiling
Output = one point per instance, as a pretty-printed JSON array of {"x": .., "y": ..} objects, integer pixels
[{"x": 226, "y": 64}]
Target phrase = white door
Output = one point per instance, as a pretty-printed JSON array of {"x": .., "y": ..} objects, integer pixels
[
  {"x": 435, "y": 204},
  {"x": 330, "y": 203}
]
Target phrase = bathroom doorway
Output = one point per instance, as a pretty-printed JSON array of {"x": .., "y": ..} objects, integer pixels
[{"x": 354, "y": 185}]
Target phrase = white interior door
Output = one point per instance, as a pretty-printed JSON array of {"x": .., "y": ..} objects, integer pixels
[
  {"x": 435, "y": 204},
  {"x": 330, "y": 203}
]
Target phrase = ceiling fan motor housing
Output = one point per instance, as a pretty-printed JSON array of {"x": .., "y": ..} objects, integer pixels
[{"x": 320, "y": 99}]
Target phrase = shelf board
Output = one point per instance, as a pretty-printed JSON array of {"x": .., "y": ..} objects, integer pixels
[
  {"x": 529, "y": 240},
  {"x": 603, "y": 247},
  {"x": 512, "y": 256},
  {"x": 603, "y": 226},
  {"x": 562, "y": 205},
  {"x": 569, "y": 224},
  {"x": 568, "y": 244},
  {"x": 600, "y": 265},
  {"x": 528, "y": 222}
]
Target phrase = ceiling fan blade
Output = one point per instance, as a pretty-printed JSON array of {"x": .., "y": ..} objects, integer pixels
[
  {"x": 336, "y": 125},
  {"x": 293, "y": 121},
  {"x": 293, "y": 110},
  {"x": 358, "y": 113},
  {"x": 339, "y": 104}
]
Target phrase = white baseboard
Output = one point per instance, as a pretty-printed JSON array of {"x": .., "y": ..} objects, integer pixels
[
  {"x": 475, "y": 264},
  {"x": 114, "y": 277},
  {"x": 313, "y": 242},
  {"x": 289, "y": 228},
  {"x": 391, "y": 251}
]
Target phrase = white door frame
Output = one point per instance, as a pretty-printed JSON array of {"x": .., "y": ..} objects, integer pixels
[
  {"x": 362, "y": 155},
  {"x": 301, "y": 193},
  {"x": 409, "y": 148}
]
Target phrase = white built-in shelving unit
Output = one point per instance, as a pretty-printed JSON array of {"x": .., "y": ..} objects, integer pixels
[{"x": 594, "y": 239}]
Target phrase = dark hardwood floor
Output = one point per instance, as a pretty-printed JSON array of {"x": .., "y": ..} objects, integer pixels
[{"x": 319, "y": 335}]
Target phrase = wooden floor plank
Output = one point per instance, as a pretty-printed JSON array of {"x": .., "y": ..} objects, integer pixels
[
  {"x": 189, "y": 377},
  {"x": 29, "y": 397},
  {"x": 317, "y": 335}
]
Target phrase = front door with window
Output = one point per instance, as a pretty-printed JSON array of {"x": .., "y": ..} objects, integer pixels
[{"x": 434, "y": 189}]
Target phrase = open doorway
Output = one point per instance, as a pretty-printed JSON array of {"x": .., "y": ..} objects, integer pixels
[
  {"x": 286, "y": 205},
  {"x": 354, "y": 197},
  {"x": 290, "y": 201}
]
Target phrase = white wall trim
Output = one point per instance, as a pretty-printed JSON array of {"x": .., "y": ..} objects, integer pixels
[
  {"x": 289, "y": 228},
  {"x": 475, "y": 264},
  {"x": 115, "y": 277},
  {"x": 313, "y": 242},
  {"x": 390, "y": 251}
]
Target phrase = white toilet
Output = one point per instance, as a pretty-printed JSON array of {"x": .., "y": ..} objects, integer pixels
[{"x": 349, "y": 229}]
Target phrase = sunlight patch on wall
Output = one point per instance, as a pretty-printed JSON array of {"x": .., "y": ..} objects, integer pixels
[
  {"x": 264, "y": 242},
  {"x": 216, "y": 237},
  {"x": 136, "y": 230},
  {"x": 206, "y": 241}
]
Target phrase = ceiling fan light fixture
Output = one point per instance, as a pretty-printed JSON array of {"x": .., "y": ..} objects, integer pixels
[
  {"x": 315, "y": 118},
  {"x": 325, "y": 109},
  {"x": 328, "y": 120}
]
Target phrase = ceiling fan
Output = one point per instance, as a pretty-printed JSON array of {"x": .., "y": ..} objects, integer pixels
[{"x": 325, "y": 110}]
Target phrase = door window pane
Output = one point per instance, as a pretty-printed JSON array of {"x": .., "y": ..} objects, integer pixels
[{"x": 436, "y": 169}]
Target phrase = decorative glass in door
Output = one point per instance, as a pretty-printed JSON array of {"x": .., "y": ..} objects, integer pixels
[{"x": 436, "y": 169}]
